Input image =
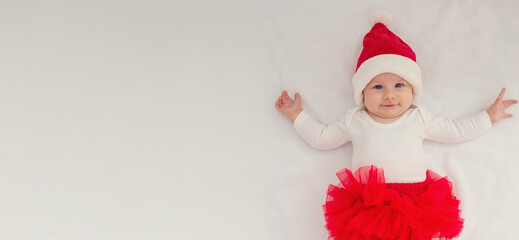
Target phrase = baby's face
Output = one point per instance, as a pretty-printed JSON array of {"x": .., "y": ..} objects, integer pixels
[{"x": 387, "y": 96}]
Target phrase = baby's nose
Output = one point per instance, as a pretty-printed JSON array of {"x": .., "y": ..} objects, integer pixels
[{"x": 389, "y": 95}]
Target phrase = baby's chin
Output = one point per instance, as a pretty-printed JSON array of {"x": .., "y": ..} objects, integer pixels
[{"x": 392, "y": 112}]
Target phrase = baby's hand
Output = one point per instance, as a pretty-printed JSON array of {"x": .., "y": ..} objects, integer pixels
[
  {"x": 496, "y": 112},
  {"x": 288, "y": 107}
]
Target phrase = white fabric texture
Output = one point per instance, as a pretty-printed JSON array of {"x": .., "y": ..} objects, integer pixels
[
  {"x": 395, "y": 147},
  {"x": 156, "y": 119}
]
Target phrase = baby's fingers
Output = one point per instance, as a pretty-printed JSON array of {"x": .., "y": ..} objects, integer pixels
[
  {"x": 287, "y": 99},
  {"x": 279, "y": 103},
  {"x": 501, "y": 94},
  {"x": 509, "y": 103}
]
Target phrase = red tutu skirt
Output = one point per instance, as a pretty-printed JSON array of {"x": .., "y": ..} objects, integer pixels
[{"x": 364, "y": 207}]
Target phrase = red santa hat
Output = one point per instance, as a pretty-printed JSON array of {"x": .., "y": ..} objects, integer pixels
[{"x": 385, "y": 52}]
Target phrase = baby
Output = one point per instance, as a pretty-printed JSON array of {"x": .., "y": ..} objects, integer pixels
[{"x": 389, "y": 194}]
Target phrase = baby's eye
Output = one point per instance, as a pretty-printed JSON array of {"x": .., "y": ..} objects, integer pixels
[
  {"x": 399, "y": 85},
  {"x": 378, "y": 87}
]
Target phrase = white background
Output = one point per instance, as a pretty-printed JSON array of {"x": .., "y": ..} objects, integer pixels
[{"x": 156, "y": 119}]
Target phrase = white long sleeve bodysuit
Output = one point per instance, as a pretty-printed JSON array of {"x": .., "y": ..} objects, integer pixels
[{"x": 395, "y": 147}]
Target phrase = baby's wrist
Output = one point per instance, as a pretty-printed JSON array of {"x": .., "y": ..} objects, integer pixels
[
  {"x": 294, "y": 115},
  {"x": 490, "y": 117}
]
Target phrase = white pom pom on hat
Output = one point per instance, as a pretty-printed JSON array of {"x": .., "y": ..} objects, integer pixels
[{"x": 381, "y": 16}]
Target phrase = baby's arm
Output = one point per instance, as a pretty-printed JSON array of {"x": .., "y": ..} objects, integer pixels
[
  {"x": 496, "y": 112},
  {"x": 319, "y": 136},
  {"x": 445, "y": 130},
  {"x": 458, "y": 130}
]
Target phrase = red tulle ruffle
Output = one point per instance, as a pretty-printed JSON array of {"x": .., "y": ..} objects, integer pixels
[{"x": 364, "y": 207}]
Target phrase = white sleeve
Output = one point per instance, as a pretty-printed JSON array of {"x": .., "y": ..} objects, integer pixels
[
  {"x": 443, "y": 130},
  {"x": 322, "y": 136}
]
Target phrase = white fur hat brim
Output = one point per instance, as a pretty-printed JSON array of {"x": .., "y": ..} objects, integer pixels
[{"x": 386, "y": 63}]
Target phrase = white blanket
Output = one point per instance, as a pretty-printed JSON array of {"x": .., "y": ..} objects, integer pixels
[{"x": 156, "y": 119}]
